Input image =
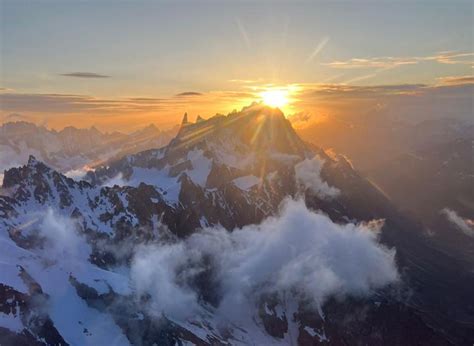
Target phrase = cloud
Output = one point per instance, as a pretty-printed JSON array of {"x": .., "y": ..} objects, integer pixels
[
  {"x": 383, "y": 62},
  {"x": 62, "y": 239},
  {"x": 308, "y": 175},
  {"x": 456, "y": 80},
  {"x": 162, "y": 273},
  {"x": 69, "y": 103},
  {"x": 78, "y": 174},
  {"x": 189, "y": 93},
  {"x": 391, "y": 62},
  {"x": 372, "y": 91},
  {"x": 412, "y": 102},
  {"x": 84, "y": 75},
  {"x": 463, "y": 224},
  {"x": 117, "y": 180},
  {"x": 299, "y": 251}
]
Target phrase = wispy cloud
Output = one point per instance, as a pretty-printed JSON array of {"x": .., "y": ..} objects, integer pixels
[
  {"x": 70, "y": 103},
  {"x": 456, "y": 80},
  {"x": 463, "y": 224},
  {"x": 449, "y": 57},
  {"x": 371, "y": 62},
  {"x": 84, "y": 75}
]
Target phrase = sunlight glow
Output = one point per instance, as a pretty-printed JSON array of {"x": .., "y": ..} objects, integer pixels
[{"x": 275, "y": 98}]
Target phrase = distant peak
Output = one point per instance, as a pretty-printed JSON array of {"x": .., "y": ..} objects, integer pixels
[{"x": 185, "y": 119}]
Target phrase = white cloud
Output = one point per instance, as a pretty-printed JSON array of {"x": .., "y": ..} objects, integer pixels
[
  {"x": 78, "y": 174},
  {"x": 308, "y": 174},
  {"x": 154, "y": 271},
  {"x": 62, "y": 238},
  {"x": 117, "y": 180},
  {"x": 298, "y": 251},
  {"x": 464, "y": 225}
]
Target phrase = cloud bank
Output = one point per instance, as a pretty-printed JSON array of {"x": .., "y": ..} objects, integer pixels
[{"x": 299, "y": 251}]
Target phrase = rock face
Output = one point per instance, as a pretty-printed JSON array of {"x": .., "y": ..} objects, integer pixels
[{"x": 227, "y": 171}]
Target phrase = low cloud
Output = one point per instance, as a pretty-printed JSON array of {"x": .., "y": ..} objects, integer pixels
[
  {"x": 308, "y": 175},
  {"x": 78, "y": 174},
  {"x": 84, "y": 75},
  {"x": 299, "y": 251},
  {"x": 117, "y": 180},
  {"x": 189, "y": 93},
  {"x": 465, "y": 225},
  {"x": 62, "y": 238}
]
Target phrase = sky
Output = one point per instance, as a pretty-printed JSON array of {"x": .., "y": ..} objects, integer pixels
[{"x": 124, "y": 64}]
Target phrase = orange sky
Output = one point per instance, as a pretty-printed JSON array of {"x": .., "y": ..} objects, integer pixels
[
  {"x": 305, "y": 102},
  {"x": 124, "y": 66}
]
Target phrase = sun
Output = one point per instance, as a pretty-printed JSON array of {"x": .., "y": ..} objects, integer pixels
[{"x": 275, "y": 98}]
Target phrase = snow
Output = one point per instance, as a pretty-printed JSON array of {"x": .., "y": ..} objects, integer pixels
[
  {"x": 71, "y": 322},
  {"x": 246, "y": 182},
  {"x": 12, "y": 321},
  {"x": 321, "y": 336},
  {"x": 310, "y": 331},
  {"x": 201, "y": 166},
  {"x": 168, "y": 186},
  {"x": 9, "y": 275},
  {"x": 78, "y": 323}
]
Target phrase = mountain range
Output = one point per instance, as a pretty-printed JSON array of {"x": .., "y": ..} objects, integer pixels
[
  {"x": 70, "y": 149},
  {"x": 236, "y": 232}
]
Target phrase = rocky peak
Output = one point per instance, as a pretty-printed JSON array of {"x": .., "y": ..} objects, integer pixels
[
  {"x": 259, "y": 127},
  {"x": 185, "y": 119}
]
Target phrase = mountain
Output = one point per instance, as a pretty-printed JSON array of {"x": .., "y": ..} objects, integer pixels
[
  {"x": 426, "y": 168},
  {"x": 70, "y": 149},
  {"x": 236, "y": 232}
]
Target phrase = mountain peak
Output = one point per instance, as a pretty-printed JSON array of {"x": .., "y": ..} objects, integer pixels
[
  {"x": 185, "y": 119},
  {"x": 257, "y": 126}
]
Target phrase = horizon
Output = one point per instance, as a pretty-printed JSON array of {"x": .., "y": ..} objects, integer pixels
[{"x": 206, "y": 58}]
